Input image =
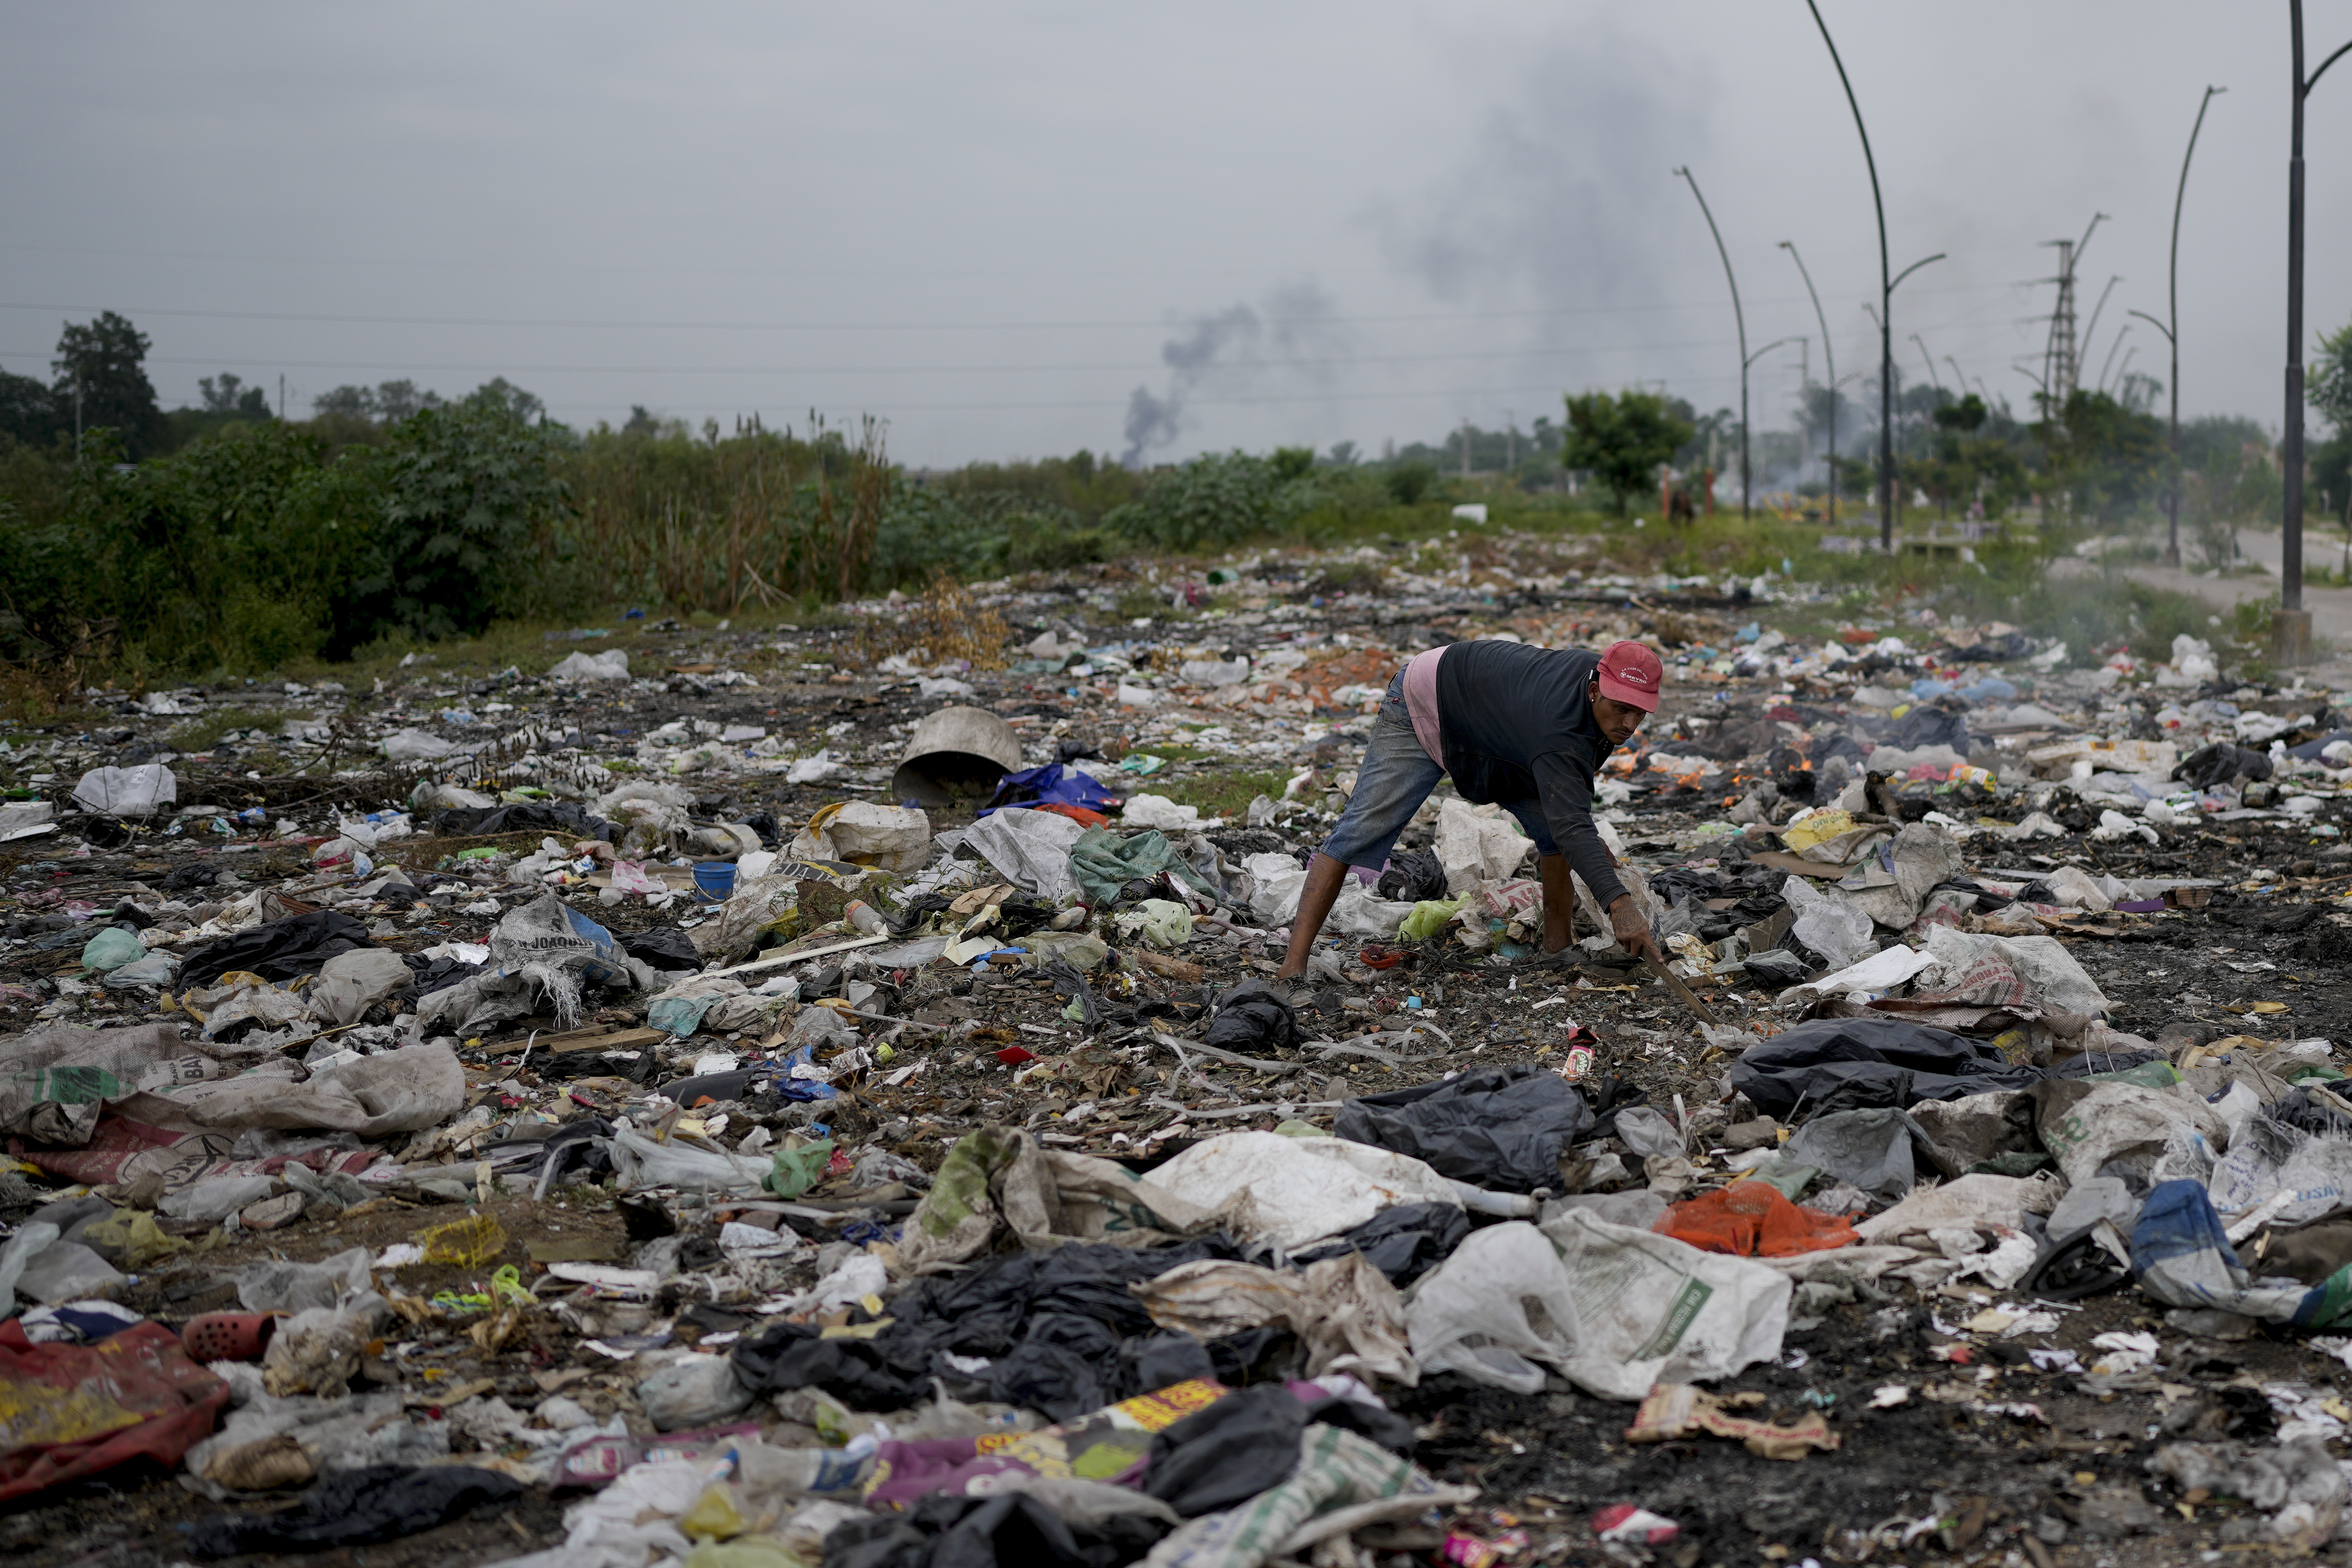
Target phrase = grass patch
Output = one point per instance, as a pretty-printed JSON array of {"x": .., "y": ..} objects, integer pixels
[
  {"x": 1225, "y": 792},
  {"x": 202, "y": 734}
]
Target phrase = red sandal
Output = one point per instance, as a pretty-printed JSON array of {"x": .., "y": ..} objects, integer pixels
[{"x": 228, "y": 1336}]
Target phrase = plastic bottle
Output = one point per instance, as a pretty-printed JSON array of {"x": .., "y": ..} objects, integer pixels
[{"x": 864, "y": 916}]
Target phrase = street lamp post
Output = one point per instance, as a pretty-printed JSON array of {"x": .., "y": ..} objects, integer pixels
[
  {"x": 1885, "y": 305},
  {"x": 2294, "y": 621},
  {"x": 2172, "y": 333},
  {"x": 1828, "y": 357},
  {"x": 1739, "y": 321}
]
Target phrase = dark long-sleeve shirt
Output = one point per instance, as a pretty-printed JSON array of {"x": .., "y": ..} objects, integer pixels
[{"x": 1517, "y": 725}]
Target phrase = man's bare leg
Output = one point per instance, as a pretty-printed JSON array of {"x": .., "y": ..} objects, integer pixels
[
  {"x": 1560, "y": 902},
  {"x": 1321, "y": 891}
]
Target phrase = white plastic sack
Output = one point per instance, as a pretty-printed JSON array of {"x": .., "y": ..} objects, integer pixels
[
  {"x": 126, "y": 792},
  {"x": 610, "y": 665},
  {"x": 1829, "y": 922},
  {"x": 642, "y": 1163},
  {"x": 1982, "y": 1199},
  {"x": 1502, "y": 1302},
  {"x": 895, "y": 839},
  {"x": 1213, "y": 671},
  {"x": 2030, "y": 974},
  {"x": 1291, "y": 1192},
  {"x": 1652, "y": 1309},
  {"x": 1275, "y": 881},
  {"x": 415, "y": 746},
  {"x": 2164, "y": 1134},
  {"x": 1359, "y": 911},
  {"x": 1478, "y": 844},
  {"x": 1030, "y": 848},
  {"x": 352, "y": 983},
  {"x": 1158, "y": 810},
  {"x": 2268, "y": 1160}
]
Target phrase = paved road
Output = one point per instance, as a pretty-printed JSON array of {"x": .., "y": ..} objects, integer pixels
[{"x": 2331, "y": 608}]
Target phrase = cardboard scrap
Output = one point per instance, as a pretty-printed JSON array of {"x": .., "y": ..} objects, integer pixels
[{"x": 1675, "y": 1410}]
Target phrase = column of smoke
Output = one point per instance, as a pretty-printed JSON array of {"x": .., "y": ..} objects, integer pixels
[{"x": 1294, "y": 342}]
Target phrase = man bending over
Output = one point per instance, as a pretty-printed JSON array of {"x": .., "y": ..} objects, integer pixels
[{"x": 1527, "y": 727}]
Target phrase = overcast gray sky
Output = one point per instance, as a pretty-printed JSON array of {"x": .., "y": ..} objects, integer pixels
[{"x": 991, "y": 225}]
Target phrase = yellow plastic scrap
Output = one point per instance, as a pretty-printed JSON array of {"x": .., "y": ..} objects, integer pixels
[
  {"x": 714, "y": 1515},
  {"x": 467, "y": 1243},
  {"x": 1818, "y": 829},
  {"x": 505, "y": 1285}
]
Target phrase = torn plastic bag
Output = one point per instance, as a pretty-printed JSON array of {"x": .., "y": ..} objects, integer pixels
[
  {"x": 2032, "y": 976},
  {"x": 560, "y": 816},
  {"x": 1292, "y": 1192},
  {"x": 1275, "y": 883},
  {"x": 1502, "y": 1128},
  {"x": 126, "y": 792},
  {"x": 2183, "y": 1257},
  {"x": 1053, "y": 785},
  {"x": 560, "y": 950},
  {"x": 400, "y": 1091},
  {"x": 1858, "y": 1063},
  {"x": 357, "y": 1508},
  {"x": 999, "y": 1529},
  {"x": 866, "y": 833},
  {"x": 2095, "y": 1128},
  {"x": 1472, "y": 1314},
  {"x": 1894, "y": 882},
  {"x": 1651, "y": 1309},
  {"x": 998, "y": 1184},
  {"x": 693, "y": 1391},
  {"x": 1979, "y": 1127},
  {"x": 2267, "y": 1161},
  {"x": 1030, "y": 849},
  {"x": 1344, "y": 1310},
  {"x": 1828, "y": 921},
  {"x": 56, "y": 1080},
  {"x": 351, "y": 983},
  {"x": 2299, "y": 1484},
  {"x": 1752, "y": 1219},
  {"x": 661, "y": 948},
  {"x": 1342, "y": 1482},
  {"x": 1870, "y": 1150},
  {"x": 1100, "y": 864},
  {"x": 643, "y": 1163},
  {"x": 1477, "y": 844},
  {"x": 1980, "y": 1200},
  {"x": 84, "y": 1409},
  {"x": 281, "y": 950}
]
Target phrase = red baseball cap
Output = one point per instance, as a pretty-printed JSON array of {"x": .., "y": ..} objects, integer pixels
[{"x": 1631, "y": 674}]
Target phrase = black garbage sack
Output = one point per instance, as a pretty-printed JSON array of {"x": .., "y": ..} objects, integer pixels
[
  {"x": 2006, "y": 648},
  {"x": 1872, "y": 1150},
  {"x": 865, "y": 1374},
  {"x": 1413, "y": 875},
  {"x": 1403, "y": 1242},
  {"x": 1928, "y": 725},
  {"x": 1778, "y": 968},
  {"x": 1252, "y": 1016},
  {"x": 1059, "y": 1367},
  {"x": 1221, "y": 1457},
  {"x": 433, "y": 974},
  {"x": 356, "y": 1508},
  {"x": 2070, "y": 1269},
  {"x": 916, "y": 911},
  {"x": 1502, "y": 1128},
  {"x": 1867, "y": 1063},
  {"x": 663, "y": 947},
  {"x": 1160, "y": 1360},
  {"x": 2220, "y": 763},
  {"x": 558, "y": 816},
  {"x": 1012, "y": 1530},
  {"x": 282, "y": 950},
  {"x": 1609, "y": 1094}
]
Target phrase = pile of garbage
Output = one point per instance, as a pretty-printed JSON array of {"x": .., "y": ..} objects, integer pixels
[{"x": 750, "y": 1099}]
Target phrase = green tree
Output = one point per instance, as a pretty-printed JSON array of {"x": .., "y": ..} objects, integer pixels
[
  {"x": 1622, "y": 440},
  {"x": 28, "y": 410},
  {"x": 103, "y": 365},
  {"x": 2327, "y": 386},
  {"x": 222, "y": 395}
]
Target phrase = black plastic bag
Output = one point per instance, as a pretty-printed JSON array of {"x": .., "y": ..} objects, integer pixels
[
  {"x": 861, "y": 1374},
  {"x": 1251, "y": 1017},
  {"x": 282, "y": 950},
  {"x": 1928, "y": 725},
  {"x": 356, "y": 1508},
  {"x": 1502, "y": 1128},
  {"x": 1012, "y": 1530},
  {"x": 1863, "y": 1063},
  {"x": 664, "y": 947},
  {"x": 1402, "y": 1243},
  {"x": 2219, "y": 763},
  {"x": 523, "y": 816},
  {"x": 1413, "y": 875},
  {"x": 1221, "y": 1457}
]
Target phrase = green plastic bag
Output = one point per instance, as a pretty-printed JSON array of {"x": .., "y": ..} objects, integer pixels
[
  {"x": 112, "y": 949},
  {"x": 1103, "y": 863},
  {"x": 2147, "y": 1075},
  {"x": 1429, "y": 918},
  {"x": 798, "y": 1170}
]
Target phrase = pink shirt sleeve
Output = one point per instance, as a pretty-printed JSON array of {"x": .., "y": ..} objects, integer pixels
[{"x": 1421, "y": 702}]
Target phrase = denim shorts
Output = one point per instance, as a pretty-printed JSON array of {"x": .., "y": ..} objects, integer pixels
[{"x": 1395, "y": 778}]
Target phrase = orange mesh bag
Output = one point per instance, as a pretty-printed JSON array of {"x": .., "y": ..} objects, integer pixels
[{"x": 1751, "y": 1219}]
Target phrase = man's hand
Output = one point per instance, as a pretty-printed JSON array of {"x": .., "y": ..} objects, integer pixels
[{"x": 1632, "y": 931}]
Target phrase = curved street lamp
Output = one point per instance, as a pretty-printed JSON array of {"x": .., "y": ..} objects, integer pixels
[
  {"x": 1740, "y": 321},
  {"x": 2294, "y": 621},
  {"x": 1828, "y": 357},
  {"x": 2172, "y": 333}
]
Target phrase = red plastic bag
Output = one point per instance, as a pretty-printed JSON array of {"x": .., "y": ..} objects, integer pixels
[
  {"x": 74, "y": 1410},
  {"x": 1751, "y": 1219}
]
